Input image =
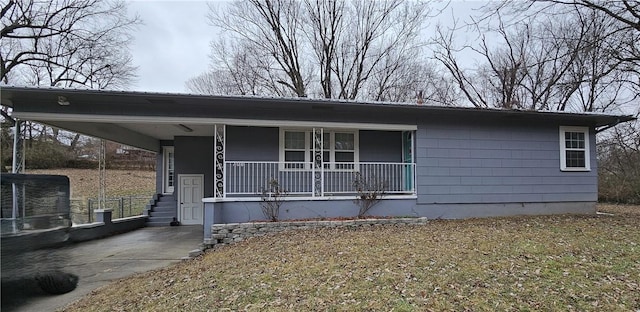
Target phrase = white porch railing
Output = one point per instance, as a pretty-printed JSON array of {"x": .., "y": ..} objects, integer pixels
[{"x": 249, "y": 178}]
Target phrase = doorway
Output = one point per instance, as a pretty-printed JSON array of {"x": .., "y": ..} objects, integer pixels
[
  {"x": 190, "y": 196},
  {"x": 168, "y": 174}
]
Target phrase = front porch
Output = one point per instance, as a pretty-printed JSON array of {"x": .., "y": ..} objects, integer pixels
[
  {"x": 319, "y": 171},
  {"x": 312, "y": 163},
  {"x": 254, "y": 179}
]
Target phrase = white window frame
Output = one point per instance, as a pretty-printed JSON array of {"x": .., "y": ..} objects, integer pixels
[
  {"x": 309, "y": 149},
  {"x": 564, "y": 149}
]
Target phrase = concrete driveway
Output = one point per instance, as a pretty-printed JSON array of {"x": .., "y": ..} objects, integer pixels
[{"x": 101, "y": 261}]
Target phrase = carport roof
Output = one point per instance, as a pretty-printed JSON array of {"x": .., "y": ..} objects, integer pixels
[{"x": 142, "y": 119}]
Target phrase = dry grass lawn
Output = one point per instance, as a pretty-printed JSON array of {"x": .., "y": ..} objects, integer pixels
[
  {"x": 85, "y": 182},
  {"x": 565, "y": 262}
]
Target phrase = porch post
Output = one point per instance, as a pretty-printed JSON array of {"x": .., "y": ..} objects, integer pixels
[
  {"x": 17, "y": 191},
  {"x": 318, "y": 167},
  {"x": 18, "y": 148},
  {"x": 218, "y": 161},
  {"x": 408, "y": 158}
]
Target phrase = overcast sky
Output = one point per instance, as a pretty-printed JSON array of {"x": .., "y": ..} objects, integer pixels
[{"x": 173, "y": 43}]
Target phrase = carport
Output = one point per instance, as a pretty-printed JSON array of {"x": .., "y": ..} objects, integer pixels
[{"x": 100, "y": 262}]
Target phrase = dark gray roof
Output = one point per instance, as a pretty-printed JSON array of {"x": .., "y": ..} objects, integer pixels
[
  {"x": 30, "y": 101},
  {"x": 17, "y": 94}
]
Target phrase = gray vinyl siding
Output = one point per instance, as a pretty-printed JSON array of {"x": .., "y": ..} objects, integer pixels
[
  {"x": 244, "y": 211},
  {"x": 252, "y": 143},
  {"x": 194, "y": 155},
  {"x": 262, "y": 144},
  {"x": 380, "y": 146},
  {"x": 479, "y": 162}
]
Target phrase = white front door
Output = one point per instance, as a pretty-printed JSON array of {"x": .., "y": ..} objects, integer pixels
[{"x": 190, "y": 198}]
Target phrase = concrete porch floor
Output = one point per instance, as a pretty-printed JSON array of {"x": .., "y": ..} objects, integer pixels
[{"x": 102, "y": 261}]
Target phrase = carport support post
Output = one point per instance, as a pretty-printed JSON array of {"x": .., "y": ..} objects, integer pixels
[
  {"x": 17, "y": 193},
  {"x": 18, "y": 148}
]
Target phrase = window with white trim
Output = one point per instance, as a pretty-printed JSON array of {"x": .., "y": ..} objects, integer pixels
[
  {"x": 574, "y": 149},
  {"x": 339, "y": 148}
]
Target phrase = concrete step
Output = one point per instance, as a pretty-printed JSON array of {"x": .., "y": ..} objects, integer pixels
[
  {"x": 164, "y": 209},
  {"x": 162, "y": 221},
  {"x": 167, "y": 198},
  {"x": 162, "y": 214},
  {"x": 153, "y": 223},
  {"x": 166, "y": 204}
]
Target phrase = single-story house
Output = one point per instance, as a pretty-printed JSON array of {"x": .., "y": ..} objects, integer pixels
[{"x": 216, "y": 154}]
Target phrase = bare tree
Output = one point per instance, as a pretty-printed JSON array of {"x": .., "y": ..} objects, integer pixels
[
  {"x": 374, "y": 32},
  {"x": 273, "y": 29},
  {"x": 326, "y": 27},
  {"x": 410, "y": 78},
  {"x": 540, "y": 64},
  {"x": 331, "y": 49},
  {"x": 240, "y": 70},
  {"x": 620, "y": 34},
  {"x": 67, "y": 43},
  {"x": 618, "y": 169}
]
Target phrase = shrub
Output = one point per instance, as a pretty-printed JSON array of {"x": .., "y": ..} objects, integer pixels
[
  {"x": 272, "y": 198},
  {"x": 45, "y": 155},
  {"x": 619, "y": 165},
  {"x": 82, "y": 164},
  {"x": 369, "y": 192}
]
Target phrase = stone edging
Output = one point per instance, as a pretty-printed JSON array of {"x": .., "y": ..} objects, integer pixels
[{"x": 229, "y": 233}]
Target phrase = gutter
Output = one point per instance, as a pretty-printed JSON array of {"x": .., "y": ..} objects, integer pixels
[
  {"x": 609, "y": 126},
  {"x": 615, "y": 123}
]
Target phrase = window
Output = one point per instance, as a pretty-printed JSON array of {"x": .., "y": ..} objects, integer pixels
[
  {"x": 343, "y": 150},
  {"x": 294, "y": 148},
  {"x": 574, "y": 149},
  {"x": 339, "y": 148}
]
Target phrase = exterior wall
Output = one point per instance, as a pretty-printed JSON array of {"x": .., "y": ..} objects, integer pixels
[
  {"x": 380, "y": 146},
  {"x": 494, "y": 163},
  {"x": 292, "y": 210},
  {"x": 249, "y": 211},
  {"x": 263, "y": 143},
  {"x": 462, "y": 211},
  {"x": 194, "y": 155},
  {"x": 465, "y": 168},
  {"x": 252, "y": 143}
]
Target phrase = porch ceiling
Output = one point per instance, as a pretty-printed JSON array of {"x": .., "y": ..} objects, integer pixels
[{"x": 142, "y": 135}]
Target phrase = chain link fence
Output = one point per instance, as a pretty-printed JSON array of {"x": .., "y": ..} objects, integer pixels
[{"x": 83, "y": 210}]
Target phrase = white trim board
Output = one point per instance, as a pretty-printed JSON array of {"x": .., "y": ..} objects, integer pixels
[
  {"x": 211, "y": 121},
  {"x": 563, "y": 148},
  {"x": 301, "y": 198}
]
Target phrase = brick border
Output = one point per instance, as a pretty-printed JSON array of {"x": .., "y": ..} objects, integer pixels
[{"x": 229, "y": 233}]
